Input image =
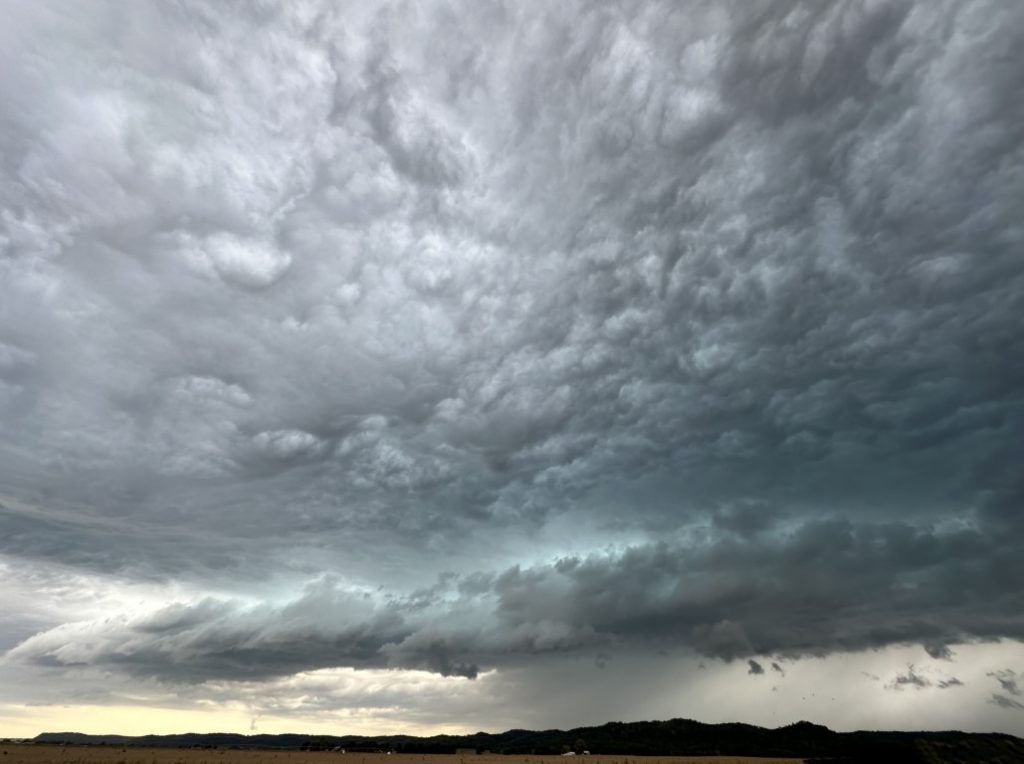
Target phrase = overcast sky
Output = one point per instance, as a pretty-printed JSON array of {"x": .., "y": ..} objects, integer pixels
[{"x": 429, "y": 366}]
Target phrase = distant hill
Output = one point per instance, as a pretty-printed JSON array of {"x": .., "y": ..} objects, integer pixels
[{"x": 675, "y": 737}]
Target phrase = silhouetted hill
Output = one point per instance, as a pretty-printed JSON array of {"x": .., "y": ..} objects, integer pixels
[{"x": 674, "y": 737}]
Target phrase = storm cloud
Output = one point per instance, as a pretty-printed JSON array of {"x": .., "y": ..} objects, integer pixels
[
  {"x": 447, "y": 336},
  {"x": 719, "y": 601}
]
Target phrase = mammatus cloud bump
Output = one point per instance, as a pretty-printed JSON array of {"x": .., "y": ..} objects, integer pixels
[{"x": 629, "y": 326}]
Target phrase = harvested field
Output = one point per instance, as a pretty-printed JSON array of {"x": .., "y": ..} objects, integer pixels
[{"x": 54, "y": 754}]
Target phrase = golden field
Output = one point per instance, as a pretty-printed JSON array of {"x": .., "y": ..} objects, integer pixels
[{"x": 55, "y": 754}]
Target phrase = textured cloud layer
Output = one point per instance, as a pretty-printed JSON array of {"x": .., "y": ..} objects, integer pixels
[
  {"x": 717, "y": 306},
  {"x": 832, "y": 586}
]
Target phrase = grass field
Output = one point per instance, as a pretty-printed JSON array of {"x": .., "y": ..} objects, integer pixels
[{"x": 47, "y": 754}]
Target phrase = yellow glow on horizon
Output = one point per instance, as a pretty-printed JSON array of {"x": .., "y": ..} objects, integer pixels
[{"x": 29, "y": 721}]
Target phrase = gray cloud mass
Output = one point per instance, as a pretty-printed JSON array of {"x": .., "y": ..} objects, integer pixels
[
  {"x": 1007, "y": 679},
  {"x": 910, "y": 679},
  {"x": 444, "y": 335},
  {"x": 1008, "y": 703}
]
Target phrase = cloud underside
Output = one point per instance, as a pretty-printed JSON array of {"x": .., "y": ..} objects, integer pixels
[
  {"x": 729, "y": 294},
  {"x": 870, "y": 589}
]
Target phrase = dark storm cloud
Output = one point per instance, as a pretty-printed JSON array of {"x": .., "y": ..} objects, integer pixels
[
  {"x": 734, "y": 291},
  {"x": 755, "y": 668},
  {"x": 939, "y": 652},
  {"x": 733, "y": 599},
  {"x": 945, "y": 684},
  {"x": 654, "y": 596}
]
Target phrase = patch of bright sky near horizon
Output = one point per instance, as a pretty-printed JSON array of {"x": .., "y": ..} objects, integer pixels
[{"x": 449, "y": 365}]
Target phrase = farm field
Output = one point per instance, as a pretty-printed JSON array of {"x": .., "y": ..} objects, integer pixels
[{"x": 52, "y": 754}]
